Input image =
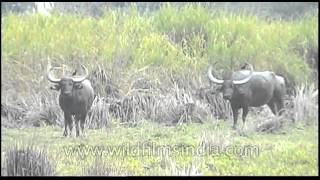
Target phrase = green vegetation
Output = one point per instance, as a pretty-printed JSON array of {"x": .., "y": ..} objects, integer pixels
[
  {"x": 181, "y": 40},
  {"x": 168, "y": 52},
  {"x": 290, "y": 151}
]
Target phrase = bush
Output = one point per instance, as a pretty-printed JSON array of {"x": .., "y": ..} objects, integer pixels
[
  {"x": 27, "y": 162},
  {"x": 305, "y": 105}
]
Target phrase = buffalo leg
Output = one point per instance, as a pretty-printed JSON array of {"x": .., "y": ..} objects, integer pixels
[
  {"x": 279, "y": 100},
  {"x": 235, "y": 117},
  {"x": 245, "y": 111},
  {"x": 78, "y": 117},
  {"x": 65, "y": 133},
  {"x": 272, "y": 107},
  {"x": 67, "y": 123},
  {"x": 280, "y": 106},
  {"x": 82, "y": 121}
]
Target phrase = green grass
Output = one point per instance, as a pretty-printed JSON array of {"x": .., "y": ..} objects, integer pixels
[
  {"x": 292, "y": 151},
  {"x": 130, "y": 41}
]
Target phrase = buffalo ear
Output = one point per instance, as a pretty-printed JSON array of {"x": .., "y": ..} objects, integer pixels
[
  {"x": 55, "y": 87},
  {"x": 78, "y": 86}
]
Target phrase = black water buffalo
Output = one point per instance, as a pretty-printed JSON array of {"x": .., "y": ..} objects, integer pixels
[
  {"x": 76, "y": 98},
  {"x": 247, "y": 88}
]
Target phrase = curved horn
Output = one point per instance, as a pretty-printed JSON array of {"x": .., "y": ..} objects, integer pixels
[
  {"x": 212, "y": 78},
  {"x": 50, "y": 77},
  {"x": 81, "y": 78},
  {"x": 245, "y": 80}
]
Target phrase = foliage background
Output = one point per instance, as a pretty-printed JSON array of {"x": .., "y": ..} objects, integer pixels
[{"x": 169, "y": 38}]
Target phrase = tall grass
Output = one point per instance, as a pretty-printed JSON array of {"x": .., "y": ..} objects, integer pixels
[
  {"x": 189, "y": 37},
  {"x": 305, "y": 105},
  {"x": 27, "y": 162}
]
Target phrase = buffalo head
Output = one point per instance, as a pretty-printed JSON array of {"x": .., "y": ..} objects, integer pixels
[
  {"x": 228, "y": 83},
  {"x": 67, "y": 83}
]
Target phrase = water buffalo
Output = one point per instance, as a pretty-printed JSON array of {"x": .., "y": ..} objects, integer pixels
[
  {"x": 76, "y": 98},
  {"x": 247, "y": 88}
]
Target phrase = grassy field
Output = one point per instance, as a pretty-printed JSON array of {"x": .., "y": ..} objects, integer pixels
[{"x": 155, "y": 149}]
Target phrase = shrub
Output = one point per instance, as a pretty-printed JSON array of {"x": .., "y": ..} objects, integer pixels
[
  {"x": 27, "y": 162},
  {"x": 305, "y": 104}
]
